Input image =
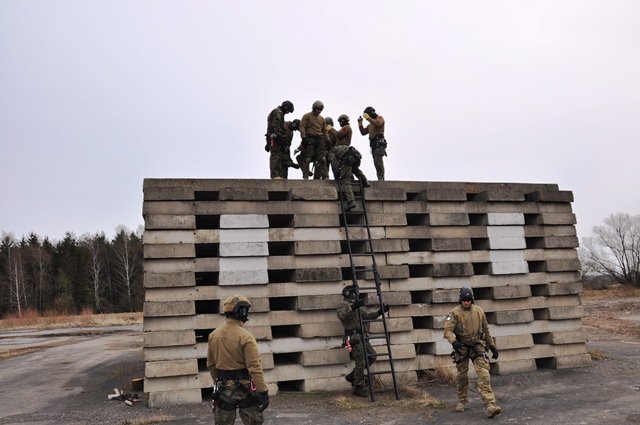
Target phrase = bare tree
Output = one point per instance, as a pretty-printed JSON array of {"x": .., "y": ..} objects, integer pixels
[
  {"x": 126, "y": 262},
  {"x": 16, "y": 285},
  {"x": 95, "y": 267},
  {"x": 614, "y": 249}
]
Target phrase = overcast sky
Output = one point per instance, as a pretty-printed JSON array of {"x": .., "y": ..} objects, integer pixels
[{"x": 95, "y": 96}]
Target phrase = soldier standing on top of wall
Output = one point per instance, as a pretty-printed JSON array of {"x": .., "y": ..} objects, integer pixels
[
  {"x": 343, "y": 138},
  {"x": 348, "y": 312},
  {"x": 467, "y": 330},
  {"x": 332, "y": 139},
  {"x": 314, "y": 136},
  {"x": 276, "y": 136},
  {"x": 234, "y": 362},
  {"x": 377, "y": 142}
]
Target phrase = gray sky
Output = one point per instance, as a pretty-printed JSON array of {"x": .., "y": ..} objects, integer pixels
[{"x": 97, "y": 95}]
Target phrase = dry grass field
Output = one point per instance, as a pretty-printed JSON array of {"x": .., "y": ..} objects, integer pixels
[{"x": 30, "y": 319}]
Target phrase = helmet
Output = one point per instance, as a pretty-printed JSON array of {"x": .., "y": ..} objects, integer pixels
[
  {"x": 286, "y": 106},
  {"x": 343, "y": 119},
  {"x": 328, "y": 120},
  {"x": 370, "y": 111},
  {"x": 237, "y": 307},
  {"x": 295, "y": 124},
  {"x": 317, "y": 105},
  {"x": 466, "y": 294},
  {"x": 349, "y": 291}
]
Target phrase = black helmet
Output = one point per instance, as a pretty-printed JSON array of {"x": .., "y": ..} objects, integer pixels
[
  {"x": 343, "y": 119},
  {"x": 236, "y": 307},
  {"x": 286, "y": 106},
  {"x": 328, "y": 120},
  {"x": 317, "y": 105},
  {"x": 295, "y": 124},
  {"x": 466, "y": 294},
  {"x": 349, "y": 291},
  {"x": 370, "y": 111}
]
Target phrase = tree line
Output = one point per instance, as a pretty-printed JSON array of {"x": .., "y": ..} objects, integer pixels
[{"x": 71, "y": 275}]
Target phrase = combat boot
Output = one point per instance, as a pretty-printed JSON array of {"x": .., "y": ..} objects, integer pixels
[
  {"x": 359, "y": 391},
  {"x": 351, "y": 205},
  {"x": 365, "y": 182},
  {"x": 349, "y": 378},
  {"x": 493, "y": 411}
]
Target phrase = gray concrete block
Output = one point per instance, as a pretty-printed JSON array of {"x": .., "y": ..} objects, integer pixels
[
  {"x": 390, "y": 272},
  {"x": 244, "y": 221},
  {"x": 510, "y": 317},
  {"x": 317, "y": 247},
  {"x": 505, "y": 232},
  {"x": 561, "y": 242},
  {"x": 319, "y": 302},
  {"x": 168, "y": 280},
  {"x": 560, "y": 313},
  {"x": 562, "y": 265},
  {"x": 510, "y": 291},
  {"x": 243, "y": 277},
  {"x": 505, "y": 219},
  {"x": 448, "y": 219},
  {"x": 376, "y": 193},
  {"x": 169, "y": 222},
  {"x": 503, "y": 195},
  {"x": 323, "y": 357},
  {"x": 440, "y": 296},
  {"x": 169, "y": 308},
  {"x": 507, "y": 243},
  {"x": 388, "y": 219},
  {"x": 509, "y": 267},
  {"x": 244, "y": 235},
  {"x": 318, "y": 330},
  {"x": 451, "y": 244},
  {"x": 168, "y": 338},
  {"x": 443, "y": 195},
  {"x": 564, "y": 288},
  {"x": 508, "y": 342},
  {"x": 557, "y": 218},
  {"x": 498, "y": 256},
  {"x": 503, "y": 367},
  {"x": 390, "y": 245},
  {"x": 550, "y": 196},
  {"x": 316, "y": 220},
  {"x": 174, "y": 398},
  {"x": 243, "y": 249},
  {"x": 452, "y": 269},
  {"x": 327, "y": 274},
  {"x": 564, "y": 337},
  {"x": 170, "y": 368},
  {"x": 244, "y": 194},
  {"x": 314, "y": 193},
  {"x": 168, "y": 193}
]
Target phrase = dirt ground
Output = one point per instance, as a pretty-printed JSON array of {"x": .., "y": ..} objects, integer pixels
[{"x": 64, "y": 376}]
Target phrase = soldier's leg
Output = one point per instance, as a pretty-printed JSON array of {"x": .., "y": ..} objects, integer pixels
[
  {"x": 251, "y": 415},
  {"x": 360, "y": 176},
  {"x": 378, "y": 162},
  {"x": 358, "y": 370},
  {"x": 307, "y": 156},
  {"x": 228, "y": 398},
  {"x": 273, "y": 163},
  {"x": 224, "y": 417},
  {"x": 320, "y": 159},
  {"x": 347, "y": 190},
  {"x": 462, "y": 381},
  {"x": 484, "y": 382}
]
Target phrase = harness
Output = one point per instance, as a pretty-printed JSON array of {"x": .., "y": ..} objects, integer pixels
[{"x": 233, "y": 377}]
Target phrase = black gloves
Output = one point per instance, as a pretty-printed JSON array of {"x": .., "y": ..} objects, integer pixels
[
  {"x": 263, "y": 400},
  {"x": 267, "y": 147},
  {"x": 357, "y": 304},
  {"x": 457, "y": 345},
  {"x": 494, "y": 352},
  {"x": 384, "y": 309}
]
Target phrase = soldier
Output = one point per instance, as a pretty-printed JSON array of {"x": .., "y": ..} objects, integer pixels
[
  {"x": 234, "y": 363},
  {"x": 314, "y": 136},
  {"x": 377, "y": 142},
  {"x": 467, "y": 330},
  {"x": 348, "y": 163},
  {"x": 343, "y": 138},
  {"x": 276, "y": 135},
  {"x": 348, "y": 312},
  {"x": 280, "y": 159}
]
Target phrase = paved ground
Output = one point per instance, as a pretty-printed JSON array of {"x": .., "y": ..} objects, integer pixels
[{"x": 68, "y": 383}]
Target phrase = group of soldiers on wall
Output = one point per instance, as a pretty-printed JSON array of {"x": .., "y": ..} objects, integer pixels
[{"x": 322, "y": 146}]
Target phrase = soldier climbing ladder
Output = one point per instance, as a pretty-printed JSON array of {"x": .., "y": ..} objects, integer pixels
[{"x": 349, "y": 216}]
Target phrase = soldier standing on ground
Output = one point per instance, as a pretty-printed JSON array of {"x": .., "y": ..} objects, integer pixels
[
  {"x": 348, "y": 165},
  {"x": 348, "y": 312},
  {"x": 276, "y": 139},
  {"x": 314, "y": 136},
  {"x": 234, "y": 362},
  {"x": 377, "y": 142},
  {"x": 467, "y": 330}
]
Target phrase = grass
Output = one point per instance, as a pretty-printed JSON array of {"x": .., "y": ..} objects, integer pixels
[
  {"x": 619, "y": 291},
  {"x": 30, "y": 319},
  {"x": 597, "y": 355}
]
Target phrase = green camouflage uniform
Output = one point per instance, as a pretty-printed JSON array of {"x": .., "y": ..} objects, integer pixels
[
  {"x": 279, "y": 154},
  {"x": 347, "y": 159},
  {"x": 351, "y": 325},
  {"x": 377, "y": 142},
  {"x": 470, "y": 327},
  {"x": 231, "y": 348}
]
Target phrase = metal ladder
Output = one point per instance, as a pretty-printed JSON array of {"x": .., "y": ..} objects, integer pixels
[{"x": 361, "y": 209}]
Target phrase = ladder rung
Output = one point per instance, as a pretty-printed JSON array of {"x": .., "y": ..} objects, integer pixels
[{"x": 365, "y": 254}]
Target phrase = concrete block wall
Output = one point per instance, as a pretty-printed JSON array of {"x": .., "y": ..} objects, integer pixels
[{"x": 282, "y": 244}]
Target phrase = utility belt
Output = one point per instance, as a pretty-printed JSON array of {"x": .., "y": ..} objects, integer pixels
[
  {"x": 231, "y": 403},
  {"x": 468, "y": 351},
  {"x": 312, "y": 140},
  {"x": 377, "y": 141},
  {"x": 235, "y": 375}
]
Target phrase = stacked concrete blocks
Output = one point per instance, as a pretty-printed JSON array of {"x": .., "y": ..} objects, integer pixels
[{"x": 282, "y": 244}]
